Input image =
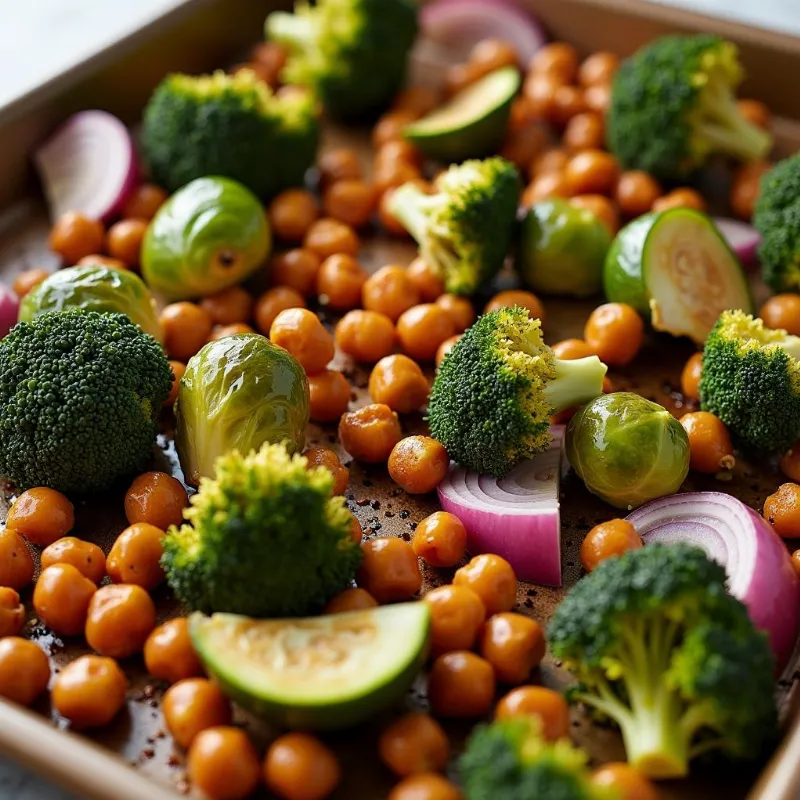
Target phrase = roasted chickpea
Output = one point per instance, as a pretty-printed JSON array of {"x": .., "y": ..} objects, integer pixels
[
  {"x": 366, "y": 336},
  {"x": 229, "y": 306},
  {"x": 292, "y": 213},
  {"x": 272, "y": 302},
  {"x": 570, "y": 349},
  {"x": 224, "y": 331},
  {"x": 389, "y": 291},
  {"x": 418, "y": 100},
  {"x": 756, "y": 112},
  {"x": 61, "y": 599},
  {"x": 414, "y": 743},
  {"x": 300, "y": 332},
  {"x": 584, "y": 131},
  {"x": 194, "y": 705},
  {"x": 491, "y": 54},
  {"x": 690, "y": 377},
  {"x": 516, "y": 297},
  {"x": 426, "y": 280},
  {"x": 327, "y": 237},
  {"x": 461, "y": 685},
  {"x": 86, "y": 557},
  {"x": 120, "y": 619},
  {"x": 28, "y": 280},
  {"x": 41, "y": 515},
  {"x": 540, "y": 90},
  {"x": 178, "y": 369},
  {"x": 389, "y": 222},
  {"x": 299, "y": 767},
  {"x": 550, "y": 184},
  {"x": 591, "y": 172},
  {"x": 440, "y": 540},
  {"x": 322, "y": 457},
  {"x": 398, "y": 151},
  {"x": 521, "y": 115},
  {"x": 444, "y": 348},
  {"x": 16, "y": 563},
  {"x": 222, "y": 763},
  {"x": 789, "y": 464},
  {"x": 74, "y": 236},
  {"x": 460, "y": 309},
  {"x": 124, "y": 241},
  {"x": 423, "y": 328},
  {"x": 296, "y": 269},
  {"x": 457, "y": 617},
  {"x": 598, "y": 98},
  {"x": 782, "y": 510},
  {"x": 352, "y": 202},
  {"x": 459, "y": 76},
  {"x": 156, "y": 498},
  {"x": 425, "y": 786},
  {"x": 389, "y": 127},
  {"x": 680, "y": 198},
  {"x": 558, "y": 59},
  {"x": 709, "y": 441},
  {"x": 135, "y": 556},
  {"x": 338, "y": 165},
  {"x": 746, "y": 187},
  {"x": 389, "y": 570},
  {"x": 352, "y": 599},
  {"x": 89, "y": 692},
  {"x": 536, "y": 701},
  {"x": 187, "y": 327},
  {"x": 782, "y": 312},
  {"x": 492, "y": 579},
  {"x": 796, "y": 561},
  {"x": 601, "y": 207},
  {"x": 524, "y": 144},
  {"x": 625, "y": 781},
  {"x": 391, "y": 174},
  {"x": 418, "y": 464},
  {"x": 24, "y": 670},
  {"x": 606, "y": 540},
  {"x": 12, "y": 613},
  {"x": 370, "y": 433},
  {"x": 554, "y": 159},
  {"x": 399, "y": 383},
  {"x": 168, "y": 652},
  {"x": 615, "y": 332},
  {"x": 514, "y": 645},
  {"x": 598, "y": 68},
  {"x": 329, "y": 394},
  {"x": 568, "y": 102},
  {"x": 635, "y": 192},
  {"x": 143, "y": 203},
  {"x": 340, "y": 281}
]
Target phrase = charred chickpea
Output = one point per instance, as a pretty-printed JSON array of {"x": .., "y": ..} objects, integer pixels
[
  {"x": 754, "y": 111},
  {"x": 187, "y": 327},
  {"x": 120, "y": 619},
  {"x": 710, "y": 445},
  {"x": 615, "y": 332},
  {"x": 41, "y": 515},
  {"x": 591, "y": 172},
  {"x": 457, "y": 617},
  {"x": 492, "y": 579},
  {"x": 352, "y": 202},
  {"x": 414, "y": 743},
  {"x": 690, "y": 377},
  {"x": 625, "y": 781},
  {"x": 352, "y": 599},
  {"x": 366, "y": 336},
  {"x": 223, "y": 764},
  {"x": 399, "y": 383},
  {"x": 598, "y": 68},
  {"x": 292, "y": 213},
  {"x": 144, "y": 201},
  {"x": 514, "y": 645},
  {"x": 390, "y": 127},
  {"x": 598, "y": 98},
  {"x": 24, "y": 670},
  {"x": 74, "y": 236},
  {"x": 423, "y": 328},
  {"x": 460, "y": 309},
  {"x": 461, "y": 685},
  {"x": 585, "y": 131},
  {"x": 536, "y": 701},
  {"x": 61, "y": 599},
  {"x": 426, "y": 280},
  {"x": 341, "y": 164},
  {"x": 782, "y": 311},
  {"x": 297, "y": 269},
  {"x": 135, "y": 556},
  {"x": 90, "y": 692},
  {"x": 229, "y": 306},
  {"x": 28, "y": 280},
  {"x": 444, "y": 349},
  {"x": 329, "y": 394},
  {"x": 193, "y": 705},
  {"x": 418, "y": 464},
  {"x": 300, "y": 332},
  {"x": 539, "y": 90},
  {"x": 168, "y": 652},
  {"x": 12, "y": 613},
  {"x": 516, "y": 297},
  {"x": 370, "y": 433},
  {"x": 606, "y": 540},
  {"x": 389, "y": 570},
  {"x": 156, "y": 498},
  {"x": 16, "y": 562},
  {"x": 601, "y": 207},
  {"x": 389, "y": 291},
  {"x": 558, "y": 59},
  {"x": 569, "y": 349},
  {"x": 389, "y": 222},
  {"x": 554, "y": 159},
  {"x": 440, "y": 540},
  {"x": 789, "y": 464},
  {"x": 782, "y": 510},
  {"x": 635, "y": 192},
  {"x": 300, "y": 767},
  {"x": 327, "y": 237},
  {"x": 340, "y": 281},
  {"x": 322, "y": 457},
  {"x": 680, "y": 198},
  {"x": 543, "y": 187},
  {"x": 86, "y": 557},
  {"x": 223, "y": 331},
  {"x": 425, "y": 786},
  {"x": 124, "y": 241},
  {"x": 272, "y": 302},
  {"x": 746, "y": 187}
]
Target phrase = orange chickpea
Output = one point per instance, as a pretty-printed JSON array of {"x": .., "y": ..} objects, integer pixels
[
  {"x": 680, "y": 198},
  {"x": 591, "y": 172},
  {"x": 389, "y": 291},
  {"x": 635, "y": 193},
  {"x": 370, "y": 433},
  {"x": 521, "y": 114},
  {"x": 598, "y": 68},
  {"x": 187, "y": 327},
  {"x": 28, "y": 280},
  {"x": 272, "y": 302},
  {"x": 61, "y": 599},
  {"x": 352, "y": 599},
  {"x": 606, "y": 540},
  {"x": 391, "y": 174},
  {"x": 322, "y": 457},
  {"x": 124, "y": 241},
  {"x": 782, "y": 312},
  {"x": 296, "y": 269},
  {"x": 558, "y": 59},
  {"x": 16, "y": 563},
  {"x": 418, "y": 464},
  {"x": 414, "y": 743},
  {"x": 41, "y": 515},
  {"x": 144, "y": 201},
  {"x": 492, "y": 579},
  {"x": 524, "y": 144},
  {"x": 570, "y": 349},
  {"x": 568, "y": 102},
  {"x": 399, "y": 383},
  {"x": 340, "y": 281},
  {"x": 457, "y": 616},
  {"x": 24, "y": 670},
  {"x": 390, "y": 126},
  {"x": 292, "y": 213},
  {"x": 329, "y": 394},
  {"x": 366, "y": 336},
  {"x": 746, "y": 187},
  {"x": 338, "y": 165},
  {"x": 120, "y": 619},
  {"x": 709, "y": 442},
  {"x": 389, "y": 570},
  {"x": 423, "y": 328},
  {"x": 156, "y": 498},
  {"x": 300, "y": 332},
  {"x": 299, "y": 767},
  {"x": 514, "y": 645},
  {"x": 419, "y": 100},
  {"x": 598, "y": 98},
  {"x": 625, "y": 781},
  {"x": 229, "y": 306},
  {"x": 536, "y": 701},
  {"x": 352, "y": 202},
  {"x": 223, "y": 331},
  {"x": 399, "y": 150},
  {"x": 12, "y": 613},
  {"x": 491, "y": 54},
  {"x": 178, "y": 369},
  {"x": 223, "y": 764},
  {"x": 168, "y": 652},
  {"x": 543, "y": 187},
  {"x": 615, "y": 332},
  {"x": 460, "y": 309},
  {"x": 86, "y": 557},
  {"x": 585, "y": 131},
  {"x": 389, "y": 222},
  {"x": 440, "y": 540},
  {"x": 601, "y": 207},
  {"x": 754, "y": 111},
  {"x": 135, "y": 556},
  {"x": 782, "y": 510},
  {"x": 98, "y": 260},
  {"x": 554, "y": 159},
  {"x": 516, "y": 297},
  {"x": 461, "y": 685},
  {"x": 327, "y": 237},
  {"x": 459, "y": 76},
  {"x": 539, "y": 90},
  {"x": 426, "y": 280},
  {"x": 444, "y": 348},
  {"x": 89, "y": 692},
  {"x": 74, "y": 236},
  {"x": 193, "y": 705},
  {"x": 690, "y": 377},
  {"x": 425, "y": 786},
  {"x": 796, "y": 561},
  {"x": 789, "y": 464}
]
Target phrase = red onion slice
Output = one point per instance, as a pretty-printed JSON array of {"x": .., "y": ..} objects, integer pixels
[
  {"x": 9, "y": 310},
  {"x": 742, "y": 238}
]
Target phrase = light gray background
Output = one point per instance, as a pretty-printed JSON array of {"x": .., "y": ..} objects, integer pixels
[{"x": 40, "y": 38}]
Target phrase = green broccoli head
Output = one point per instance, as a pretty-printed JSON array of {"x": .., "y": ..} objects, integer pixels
[
  {"x": 496, "y": 390},
  {"x": 232, "y": 126},
  {"x": 641, "y": 633},
  {"x": 351, "y": 52},
  {"x": 80, "y": 394},
  {"x": 751, "y": 381},
  {"x": 509, "y": 759},
  {"x": 672, "y": 106},
  {"x": 465, "y": 229},
  {"x": 777, "y": 218},
  {"x": 264, "y": 538}
]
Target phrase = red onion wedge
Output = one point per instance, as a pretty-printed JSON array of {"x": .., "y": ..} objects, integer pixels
[
  {"x": 760, "y": 571},
  {"x": 516, "y": 517},
  {"x": 88, "y": 165},
  {"x": 9, "y": 310},
  {"x": 742, "y": 238}
]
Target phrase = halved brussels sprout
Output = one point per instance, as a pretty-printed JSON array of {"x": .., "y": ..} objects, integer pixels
[
  {"x": 628, "y": 450},
  {"x": 211, "y": 234},
  {"x": 95, "y": 288},
  {"x": 237, "y": 393}
]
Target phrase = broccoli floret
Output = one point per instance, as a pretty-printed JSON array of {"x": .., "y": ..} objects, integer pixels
[
  {"x": 777, "y": 218},
  {"x": 509, "y": 760},
  {"x": 80, "y": 393},
  {"x": 229, "y": 125},
  {"x": 659, "y": 647},
  {"x": 263, "y": 539},
  {"x": 352, "y": 53},
  {"x": 496, "y": 389},
  {"x": 464, "y": 230},
  {"x": 672, "y": 106},
  {"x": 751, "y": 381}
]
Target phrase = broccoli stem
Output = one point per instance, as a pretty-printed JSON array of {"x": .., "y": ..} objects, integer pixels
[
  {"x": 576, "y": 382},
  {"x": 293, "y": 30},
  {"x": 728, "y": 131},
  {"x": 412, "y": 207}
]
